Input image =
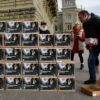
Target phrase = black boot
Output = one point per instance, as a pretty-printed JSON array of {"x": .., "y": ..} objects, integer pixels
[
  {"x": 81, "y": 66},
  {"x": 88, "y": 82}
]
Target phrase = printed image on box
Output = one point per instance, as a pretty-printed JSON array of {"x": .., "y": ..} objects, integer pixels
[
  {"x": 1, "y": 54},
  {"x": 12, "y": 69},
  {"x": 30, "y": 69},
  {"x": 62, "y": 54},
  {"x": 2, "y": 26},
  {"x": 13, "y": 83},
  {"x": 0, "y": 40},
  {"x": 48, "y": 83},
  {"x": 30, "y": 27},
  {"x": 12, "y": 39},
  {"x": 12, "y": 54},
  {"x": 29, "y": 54},
  {"x": 14, "y": 27},
  {"x": 47, "y": 54},
  {"x": 62, "y": 40},
  {"x": 65, "y": 69},
  {"x": 47, "y": 69},
  {"x": 29, "y": 39},
  {"x": 1, "y": 83},
  {"x": 30, "y": 83},
  {"x": 46, "y": 40},
  {"x": 66, "y": 83},
  {"x": 1, "y": 69}
]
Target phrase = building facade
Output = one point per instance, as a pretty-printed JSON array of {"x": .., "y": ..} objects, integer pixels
[
  {"x": 68, "y": 16},
  {"x": 37, "y": 10}
]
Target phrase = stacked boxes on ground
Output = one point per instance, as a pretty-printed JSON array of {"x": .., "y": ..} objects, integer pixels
[{"x": 33, "y": 61}]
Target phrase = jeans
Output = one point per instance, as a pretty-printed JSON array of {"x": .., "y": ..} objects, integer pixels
[{"x": 93, "y": 56}]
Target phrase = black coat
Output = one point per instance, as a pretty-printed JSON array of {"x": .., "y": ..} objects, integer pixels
[
  {"x": 92, "y": 29},
  {"x": 44, "y": 31}
]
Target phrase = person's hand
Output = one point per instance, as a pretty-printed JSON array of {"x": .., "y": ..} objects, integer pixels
[{"x": 95, "y": 41}]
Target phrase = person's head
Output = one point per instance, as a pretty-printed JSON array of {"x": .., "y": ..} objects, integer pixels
[
  {"x": 83, "y": 16},
  {"x": 77, "y": 28},
  {"x": 43, "y": 24}
]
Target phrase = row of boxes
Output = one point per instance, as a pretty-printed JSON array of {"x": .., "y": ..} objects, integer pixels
[
  {"x": 36, "y": 69},
  {"x": 31, "y": 54},
  {"x": 33, "y": 83},
  {"x": 28, "y": 39},
  {"x": 29, "y": 60},
  {"x": 18, "y": 27}
]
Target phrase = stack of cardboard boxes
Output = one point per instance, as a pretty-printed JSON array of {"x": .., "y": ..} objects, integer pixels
[{"x": 33, "y": 61}]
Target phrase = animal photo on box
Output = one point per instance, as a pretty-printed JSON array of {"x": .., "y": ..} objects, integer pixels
[
  {"x": 12, "y": 39},
  {"x": 48, "y": 83},
  {"x": 12, "y": 69},
  {"x": 65, "y": 69},
  {"x": 13, "y": 83},
  {"x": 1, "y": 54},
  {"x": 14, "y": 27},
  {"x": 47, "y": 69},
  {"x": 29, "y": 54},
  {"x": 1, "y": 40},
  {"x": 62, "y": 53},
  {"x": 2, "y": 26},
  {"x": 46, "y": 40},
  {"x": 1, "y": 69},
  {"x": 12, "y": 54},
  {"x": 30, "y": 27},
  {"x": 47, "y": 54},
  {"x": 1, "y": 83},
  {"x": 62, "y": 40},
  {"x": 66, "y": 83},
  {"x": 30, "y": 69},
  {"x": 30, "y": 83},
  {"x": 29, "y": 39}
]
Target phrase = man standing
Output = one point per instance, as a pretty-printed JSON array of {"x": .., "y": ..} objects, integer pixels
[{"x": 91, "y": 26}]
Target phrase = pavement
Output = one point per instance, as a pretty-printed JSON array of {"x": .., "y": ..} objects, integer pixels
[{"x": 81, "y": 75}]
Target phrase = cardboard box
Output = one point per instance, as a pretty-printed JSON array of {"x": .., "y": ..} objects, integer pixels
[
  {"x": 29, "y": 39},
  {"x": 65, "y": 68},
  {"x": 0, "y": 40},
  {"x": 1, "y": 69},
  {"x": 30, "y": 27},
  {"x": 91, "y": 90},
  {"x": 1, "y": 83},
  {"x": 48, "y": 83},
  {"x": 2, "y": 27},
  {"x": 29, "y": 54},
  {"x": 13, "y": 82},
  {"x": 12, "y": 68},
  {"x": 63, "y": 54},
  {"x": 47, "y": 69},
  {"x": 30, "y": 68},
  {"x": 1, "y": 54},
  {"x": 47, "y": 54},
  {"x": 65, "y": 83},
  {"x": 46, "y": 40},
  {"x": 11, "y": 39},
  {"x": 12, "y": 54},
  {"x": 62, "y": 40},
  {"x": 30, "y": 83},
  {"x": 14, "y": 27}
]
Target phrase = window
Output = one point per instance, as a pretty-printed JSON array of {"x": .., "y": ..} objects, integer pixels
[
  {"x": 69, "y": 2},
  {"x": 69, "y": 27},
  {"x": 69, "y": 17}
]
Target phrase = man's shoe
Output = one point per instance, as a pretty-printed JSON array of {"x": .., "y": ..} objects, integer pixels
[
  {"x": 81, "y": 66},
  {"x": 89, "y": 82}
]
